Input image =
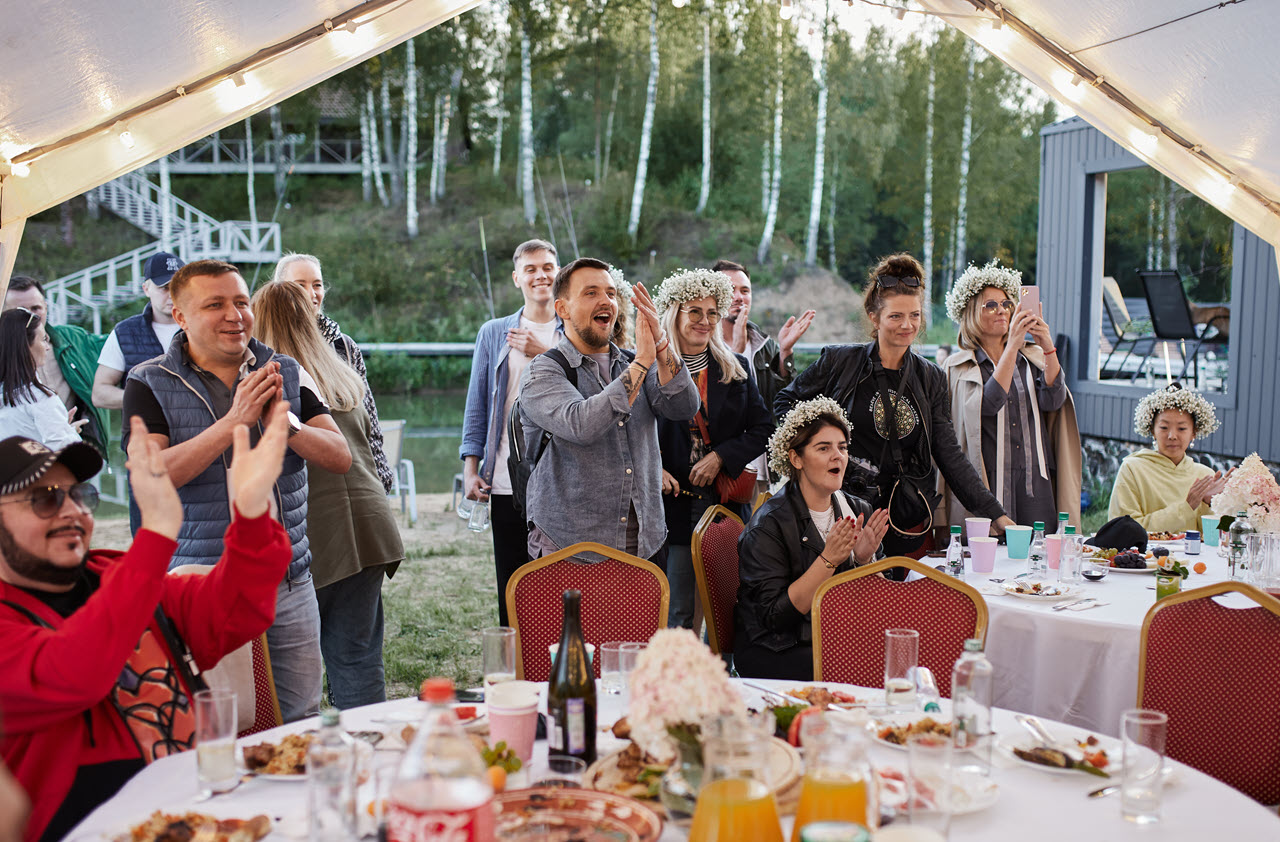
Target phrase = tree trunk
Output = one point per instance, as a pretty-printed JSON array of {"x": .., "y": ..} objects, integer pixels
[
  {"x": 166, "y": 206},
  {"x": 927, "y": 237},
  {"x": 411, "y": 141},
  {"x": 831, "y": 212},
  {"x": 705, "y": 192},
  {"x": 546, "y": 210},
  {"x": 1171, "y": 227},
  {"x": 250, "y": 174},
  {"x": 389, "y": 142},
  {"x": 375, "y": 151},
  {"x": 446, "y": 114},
  {"x": 966, "y": 139},
  {"x": 766, "y": 183},
  {"x": 277, "y": 144},
  {"x": 608, "y": 126},
  {"x": 646, "y": 129},
  {"x": 435, "y": 152},
  {"x": 819, "y": 150},
  {"x": 1151, "y": 233},
  {"x": 1161, "y": 207},
  {"x": 775, "y": 188},
  {"x": 67, "y": 224},
  {"x": 502, "y": 113},
  {"x": 526, "y": 128},
  {"x": 366, "y": 159}
]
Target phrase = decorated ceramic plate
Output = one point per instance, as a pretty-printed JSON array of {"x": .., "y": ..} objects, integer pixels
[
  {"x": 895, "y": 729},
  {"x": 1105, "y": 747},
  {"x": 550, "y": 814}
]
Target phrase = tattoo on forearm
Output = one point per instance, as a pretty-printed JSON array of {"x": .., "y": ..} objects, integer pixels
[
  {"x": 632, "y": 383},
  {"x": 672, "y": 362}
]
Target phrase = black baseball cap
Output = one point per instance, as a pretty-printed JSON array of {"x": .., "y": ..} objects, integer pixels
[
  {"x": 160, "y": 267},
  {"x": 23, "y": 461}
]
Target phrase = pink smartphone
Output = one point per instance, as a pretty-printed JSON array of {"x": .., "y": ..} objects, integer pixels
[{"x": 1030, "y": 299}]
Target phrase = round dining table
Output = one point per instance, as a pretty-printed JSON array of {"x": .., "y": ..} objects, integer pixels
[
  {"x": 1051, "y": 805},
  {"x": 1077, "y": 665}
]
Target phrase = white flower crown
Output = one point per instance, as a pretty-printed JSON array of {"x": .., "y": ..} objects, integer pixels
[
  {"x": 1174, "y": 397},
  {"x": 691, "y": 284},
  {"x": 620, "y": 281},
  {"x": 800, "y": 415},
  {"x": 975, "y": 280}
]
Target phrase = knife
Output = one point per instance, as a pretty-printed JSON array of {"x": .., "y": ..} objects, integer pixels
[{"x": 1063, "y": 606}]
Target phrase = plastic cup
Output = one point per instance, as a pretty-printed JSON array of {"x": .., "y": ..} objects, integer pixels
[
  {"x": 901, "y": 656},
  {"x": 216, "y": 741},
  {"x": 1142, "y": 787},
  {"x": 512, "y": 708},
  {"x": 1018, "y": 539},
  {"x": 976, "y": 527},
  {"x": 983, "y": 551},
  {"x": 1053, "y": 548},
  {"x": 1209, "y": 529},
  {"x": 929, "y": 777}
]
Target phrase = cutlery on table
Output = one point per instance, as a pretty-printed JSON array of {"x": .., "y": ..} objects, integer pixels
[
  {"x": 997, "y": 581},
  {"x": 1064, "y": 605},
  {"x": 1091, "y": 605},
  {"x": 773, "y": 697}
]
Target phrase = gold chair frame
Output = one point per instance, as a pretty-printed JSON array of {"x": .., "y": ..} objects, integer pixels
[
  {"x": 700, "y": 573},
  {"x": 761, "y": 498}
]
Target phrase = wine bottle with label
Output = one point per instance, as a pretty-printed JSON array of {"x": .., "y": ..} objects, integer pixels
[{"x": 571, "y": 696}]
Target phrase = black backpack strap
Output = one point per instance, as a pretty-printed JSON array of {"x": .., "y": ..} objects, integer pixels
[
  {"x": 27, "y": 612},
  {"x": 570, "y": 372}
]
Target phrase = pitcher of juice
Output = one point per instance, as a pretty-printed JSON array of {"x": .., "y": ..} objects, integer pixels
[
  {"x": 837, "y": 778},
  {"x": 735, "y": 803}
]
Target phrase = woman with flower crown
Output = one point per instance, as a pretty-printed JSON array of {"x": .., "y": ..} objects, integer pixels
[
  {"x": 729, "y": 431},
  {"x": 1013, "y": 415},
  {"x": 1164, "y": 489},
  {"x": 900, "y": 411},
  {"x": 797, "y": 540}
]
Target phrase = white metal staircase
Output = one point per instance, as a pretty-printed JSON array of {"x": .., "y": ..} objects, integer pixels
[{"x": 180, "y": 228}]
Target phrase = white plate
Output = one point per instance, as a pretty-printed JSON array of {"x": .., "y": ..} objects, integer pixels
[
  {"x": 970, "y": 795},
  {"x": 1151, "y": 568},
  {"x": 874, "y": 726},
  {"x": 1067, "y": 736},
  {"x": 1058, "y": 593}
]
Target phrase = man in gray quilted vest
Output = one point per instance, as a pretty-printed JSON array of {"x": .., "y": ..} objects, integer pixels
[{"x": 212, "y": 378}]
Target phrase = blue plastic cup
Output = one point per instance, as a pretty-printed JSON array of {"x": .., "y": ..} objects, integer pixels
[
  {"x": 1209, "y": 530},
  {"x": 1018, "y": 539}
]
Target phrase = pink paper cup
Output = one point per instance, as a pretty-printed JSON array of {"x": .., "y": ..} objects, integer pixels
[
  {"x": 513, "y": 717},
  {"x": 1053, "y": 548},
  {"x": 983, "y": 552},
  {"x": 977, "y": 527}
]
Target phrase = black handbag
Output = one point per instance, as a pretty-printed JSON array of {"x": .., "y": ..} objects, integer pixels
[{"x": 907, "y": 504}]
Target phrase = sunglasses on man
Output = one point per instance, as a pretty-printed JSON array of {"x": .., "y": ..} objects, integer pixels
[{"x": 47, "y": 502}]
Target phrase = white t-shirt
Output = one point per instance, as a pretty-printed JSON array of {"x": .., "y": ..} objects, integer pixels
[
  {"x": 113, "y": 358},
  {"x": 43, "y": 419},
  {"x": 516, "y": 364}
]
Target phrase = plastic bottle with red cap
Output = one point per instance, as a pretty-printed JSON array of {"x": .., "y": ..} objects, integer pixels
[{"x": 442, "y": 791}]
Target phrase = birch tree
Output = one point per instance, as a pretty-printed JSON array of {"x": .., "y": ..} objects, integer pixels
[
  {"x": 366, "y": 159},
  {"x": 646, "y": 129},
  {"x": 526, "y": 125},
  {"x": 927, "y": 248},
  {"x": 389, "y": 142},
  {"x": 411, "y": 145},
  {"x": 501, "y": 107},
  {"x": 819, "y": 149},
  {"x": 1171, "y": 226},
  {"x": 249, "y": 175},
  {"x": 435, "y": 152},
  {"x": 775, "y": 188},
  {"x": 704, "y": 192},
  {"x": 166, "y": 206},
  {"x": 277, "y": 149},
  {"x": 608, "y": 126},
  {"x": 375, "y": 152},
  {"x": 766, "y": 181},
  {"x": 831, "y": 213},
  {"x": 446, "y": 114},
  {"x": 966, "y": 140}
]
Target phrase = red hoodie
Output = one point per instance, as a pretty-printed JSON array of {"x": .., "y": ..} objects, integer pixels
[{"x": 56, "y": 676}]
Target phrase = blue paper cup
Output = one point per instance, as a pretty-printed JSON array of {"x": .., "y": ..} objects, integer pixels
[
  {"x": 1018, "y": 539},
  {"x": 1209, "y": 530}
]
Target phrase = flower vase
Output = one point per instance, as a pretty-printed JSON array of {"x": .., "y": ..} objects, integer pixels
[{"x": 678, "y": 790}]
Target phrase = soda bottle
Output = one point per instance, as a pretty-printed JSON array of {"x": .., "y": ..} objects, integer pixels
[
  {"x": 442, "y": 791},
  {"x": 571, "y": 693},
  {"x": 971, "y": 680},
  {"x": 1037, "y": 557},
  {"x": 331, "y": 782},
  {"x": 955, "y": 555}
]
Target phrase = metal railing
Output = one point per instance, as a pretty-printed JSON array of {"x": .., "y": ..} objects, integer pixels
[{"x": 298, "y": 153}]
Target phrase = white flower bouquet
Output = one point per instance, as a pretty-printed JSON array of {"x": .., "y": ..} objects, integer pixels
[
  {"x": 677, "y": 683},
  {"x": 1251, "y": 489}
]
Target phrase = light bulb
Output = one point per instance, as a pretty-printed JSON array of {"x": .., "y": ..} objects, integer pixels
[
  {"x": 237, "y": 79},
  {"x": 126, "y": 136},
  {"x": 899, "y": 13}
]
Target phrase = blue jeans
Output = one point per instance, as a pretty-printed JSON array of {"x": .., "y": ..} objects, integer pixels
[
  {"x": 684, "y": 586},
  {"x": 294, "y": 643},
  {"x": 351, "y": 638}
]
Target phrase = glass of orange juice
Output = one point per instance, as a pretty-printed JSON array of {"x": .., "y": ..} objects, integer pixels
[
  {"x": 837, "y": 778},
  {"x": 735, "y": 803}
]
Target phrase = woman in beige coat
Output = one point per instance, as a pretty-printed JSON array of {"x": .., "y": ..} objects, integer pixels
[{"x": 1013, "y": 414}]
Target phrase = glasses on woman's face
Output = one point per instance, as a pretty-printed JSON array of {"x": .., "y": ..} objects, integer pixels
[
  {"x": 696, "y": 316},
  {"x": 993, "y": 306},
  {"x": 47, "y": 502},
  {"x": 889, "y": 281}
]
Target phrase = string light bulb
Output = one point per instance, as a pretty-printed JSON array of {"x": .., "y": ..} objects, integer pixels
[
  {"x": 787, "y": 11},
  {"x": 8, "y": 168},
  {"x": 900, "y": 13},
  {"x": 125, "y": 135},
  {"x": 679, "y": 4},
  {"x": 998, "y": 23},
  {"x": 237, "y": 79}
]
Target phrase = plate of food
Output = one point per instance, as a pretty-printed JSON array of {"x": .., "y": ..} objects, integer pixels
[
  {"x": 826, "y": 697},
  {"x": 1102, "y": 755},
  {"x": 556, "y": 814},
  {"x": 282, "y": 761},
  {"x": 1040, "y": 591},
  {"x": 165, "y": 827},
  {"x": 1166, "y": 536},
  {"x": 896, "y": 729}
]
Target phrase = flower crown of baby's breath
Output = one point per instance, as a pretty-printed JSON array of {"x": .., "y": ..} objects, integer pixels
[
  {"x": 1174, "y": 397},
  {"x": 691, "y": 284},
  {"x": 800, "y": 415},
  {"x": 975, "y": 280},
  {"x": 620, "y": 281}
]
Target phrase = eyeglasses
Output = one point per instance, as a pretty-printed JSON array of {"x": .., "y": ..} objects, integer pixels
[
  {"x": 47, "y": 502},
  {"x": 887, "y": 281},
  {"x": 992, "y": 306},
  {"x": 696, "y": 316},
  {"x": 31, "y": 316}
]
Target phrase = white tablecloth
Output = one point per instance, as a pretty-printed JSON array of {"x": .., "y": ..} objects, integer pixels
[
  {"x": 1075, "y": 667},
  {"x": 1052, "y": 806}
]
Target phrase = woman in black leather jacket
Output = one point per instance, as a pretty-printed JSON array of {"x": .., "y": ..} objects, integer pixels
[
  {"x": 915, "y": 438},
  {"x": 798, "y": 540}
]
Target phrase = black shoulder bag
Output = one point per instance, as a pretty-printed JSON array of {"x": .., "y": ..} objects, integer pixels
[{"x": 906, "y": 503}]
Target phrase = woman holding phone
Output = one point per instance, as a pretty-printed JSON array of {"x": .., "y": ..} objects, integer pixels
[{"x": 1013, "y": 414}]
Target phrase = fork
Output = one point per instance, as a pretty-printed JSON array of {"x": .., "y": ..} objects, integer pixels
[{"x": 1065, "y": 605}]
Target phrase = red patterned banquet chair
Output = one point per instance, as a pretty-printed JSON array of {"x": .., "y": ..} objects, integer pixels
[
  {"x": 623, "y": 598},
  {"x": 247, "y": 671},
  {"x": 852, "y": 610},
  {"x": 715, "y": 565},
  {"x": 1198, "y": 655}
]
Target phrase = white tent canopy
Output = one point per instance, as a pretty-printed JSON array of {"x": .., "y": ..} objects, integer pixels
[
  {"x": 92, "y": 90},
  {"x": 1189, "y": 86}
]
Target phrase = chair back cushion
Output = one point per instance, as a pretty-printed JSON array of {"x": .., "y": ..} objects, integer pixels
[
  {"x": 1167, "y": 304},
  {"x": 718, "y": 550},
  {"x": 855, "y": 613},
  {"x": 619, "y": 602},
  {"x": 1215, "y": 671}
]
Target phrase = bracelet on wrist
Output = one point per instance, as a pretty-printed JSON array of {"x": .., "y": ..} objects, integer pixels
[
  {"x": 1051, "y": 352},
  {"x": 662, "y": 347},
  {"x": 830, "y": 565}
]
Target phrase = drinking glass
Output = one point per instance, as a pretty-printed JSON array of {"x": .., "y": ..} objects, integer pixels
[
  {"x": 837, "y": 782},
  {"x": 465, "y": 505},
  {"x": 901, "y": 656},
  {"x": 929, "y": 783},
  {"x": 562, "y": 771},
  {"x": 612, "y": 678},
  {"x": 498, "y": 656},
  {"x": 1070, "y": 565},
  {"x": 735, "y": 801},
  {"x": 479, "y": 520},
  {"x": 1266, "y": 571},
  {"x": 1254, "y": 548},
  {"x": 215, "y": 741},
  {"x": 1142, "y": 786}
]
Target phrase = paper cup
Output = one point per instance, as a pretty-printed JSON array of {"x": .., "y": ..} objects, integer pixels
[
  {"x": 977, "y": 527},
  {"x": 1018, "y": 539},
  {"x": 1209, "y": 529},
  {"x": 1053, "y": 548},
  {"x": 983, "y": 551},
  {"x": 512, "y": 709}
]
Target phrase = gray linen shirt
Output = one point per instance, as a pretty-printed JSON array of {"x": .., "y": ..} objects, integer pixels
[{"x": 603, "y": 458}]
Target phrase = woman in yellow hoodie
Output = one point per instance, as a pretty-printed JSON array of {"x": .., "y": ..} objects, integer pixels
[{"x": 1163, "y": 489}]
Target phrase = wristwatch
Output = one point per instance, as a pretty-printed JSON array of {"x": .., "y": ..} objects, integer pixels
[{"x": 294, "y": 424}]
